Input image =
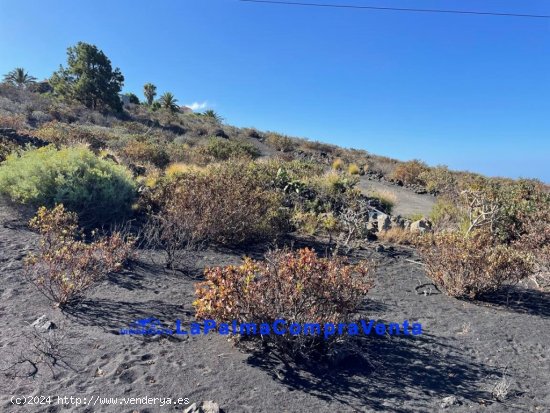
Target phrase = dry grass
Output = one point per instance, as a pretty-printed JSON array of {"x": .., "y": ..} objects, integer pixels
[
  {"x": 353, "y": 169},
  {"x": 386, "y": 197},
  {"x": 337, "y": 164},
  {"x": 399, "y": 236}
]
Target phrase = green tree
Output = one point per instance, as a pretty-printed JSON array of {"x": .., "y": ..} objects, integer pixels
[
  {"x": 89, "y": 78},
  {"x": 149, "y": 91},
  {"x": 132, "y": 98},
  {"x": 168, "y": 101},
  {"x": 213, "y": 115},
  {"x": 19, "y": 77}
]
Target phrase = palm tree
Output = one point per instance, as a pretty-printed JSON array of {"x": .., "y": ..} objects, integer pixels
[
  {"x": 213, "y": 115},
  {"x": 168, "y": 101},
  {"x": 18, "y": 77},
  {"x": 150, "y": 91}
]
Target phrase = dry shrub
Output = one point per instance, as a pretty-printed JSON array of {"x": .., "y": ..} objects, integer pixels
[
  {"x": 180, "y": 168},
  {"x": 338, "y": 164},
  {"x": 387, "y": 198},
  {"x": 439, "y": 179},
  {"x": 297, "y": 287},
  {"x": 144, "y": 151},
  {"x": 65, "y": 266},
  {"x": 13, "y": 121},
  {"x": 410, "y": 173},
  {"x": 399, "y": 236},
  {"x": 446, "y": 214},
  {"x": 469, "y": 266},
  {"x": 352, "y": 225},
  {"x": 227, "y": 203},
  {"x": 380, "y": 164},
  {"x": 280, "y": 143},
  {"x": 36, "y": 348},
  {"x": 353, "y": 169},
  {"x": 318, "y": 146},
  {"x": 535, "y": 239},
  {"x": 62, "y": 134}
]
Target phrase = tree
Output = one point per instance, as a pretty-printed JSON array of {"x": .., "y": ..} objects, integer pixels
[
  {"x": 150, "y": 91},
  {"x": 213, "y": 115},
  {"x": 19, "y": 77},
  {"x": 132, "y": 98},
  {"x": 89, "y": 78},
  {"x": 168, "y": 101}
]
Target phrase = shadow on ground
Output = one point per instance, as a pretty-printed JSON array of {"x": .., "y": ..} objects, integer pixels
[
  {"x": 115, "y": 315},
  {"x": 520, "y": 300},
  {"x": 385, "y": 374}
]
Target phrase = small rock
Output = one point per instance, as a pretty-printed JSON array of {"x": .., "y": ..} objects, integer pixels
[
  {"x": 371, "y": 226},
  {"x": 422, "y": 225},
  {"x": 192, "y": 409},
  {"x": 210, "y": 407},
  {"x": 384, "y": 222},
  {"x": 220, "y": 133},
  {"x": 206, "y": 407},
  {"x": 43, "y": 324},
  {"x": 397, "y": 222},
  {"x": 449, "y": 401}
]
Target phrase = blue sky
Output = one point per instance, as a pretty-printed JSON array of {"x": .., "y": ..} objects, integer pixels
[{"x": 472, "y": 92}]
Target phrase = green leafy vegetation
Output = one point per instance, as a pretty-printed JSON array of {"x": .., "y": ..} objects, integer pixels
[
  {"x": 168, "y": 101},
  {"x": 89, "y": 78},
  {"x": 19, "y": 77},
  {"x": 149, "y": 91},
  {"x": 97, "y": 189}
]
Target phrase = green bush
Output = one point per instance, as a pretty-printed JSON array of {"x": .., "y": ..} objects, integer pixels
[
  {"x": 97, "y": 189},
  {"x": 219, "y": 149},
  {"x": 6, "y": 147}
]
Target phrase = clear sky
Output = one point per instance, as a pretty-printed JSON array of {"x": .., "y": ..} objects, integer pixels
[{"x": 472, "y": 92}]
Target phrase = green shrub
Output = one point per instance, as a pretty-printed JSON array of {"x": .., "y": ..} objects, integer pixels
[
  {"x": 6, "y": 147},
  {"x": 61, "y": 134},
  {"x": 439, "y": 179},
  {"x": 219, "y": 149},
  {"x": 97, "y": 189},
  {"x": 446, "y": 214}
]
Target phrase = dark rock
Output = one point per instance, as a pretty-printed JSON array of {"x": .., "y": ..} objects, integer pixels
[
  {"x": 11, "y": 135},
  {"x": 220, "y": 133}
]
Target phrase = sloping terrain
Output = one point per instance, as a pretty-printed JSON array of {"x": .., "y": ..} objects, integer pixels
[{"x": 408, "y": 202}]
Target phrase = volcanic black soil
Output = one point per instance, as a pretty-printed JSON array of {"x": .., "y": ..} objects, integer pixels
[{"x": 466, "y": 350}]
